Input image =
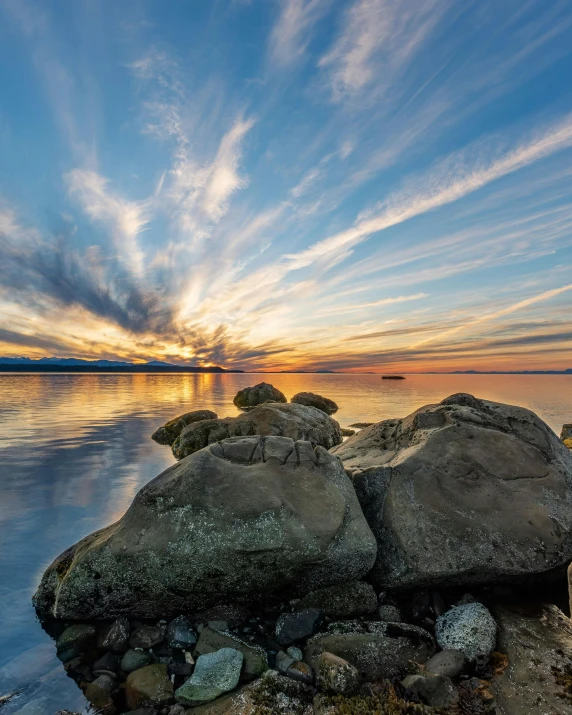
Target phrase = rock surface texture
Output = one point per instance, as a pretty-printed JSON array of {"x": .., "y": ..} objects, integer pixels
[
  {"x": 244, "y": 517},
  {"x": 310, "y": 399},
  {"x": 469, "y": 628},
  {"x": 465, "y": 491},
  {"x": 284, "y": 420},
  {"x": 257, "y": 394},
  {"x": 169, "y": 432}
]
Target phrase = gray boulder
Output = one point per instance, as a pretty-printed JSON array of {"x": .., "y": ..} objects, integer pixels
[
  {"x": 256, "y": 395},
  {"x": 283, "y": 420},
  {"x": 169, "y": 432},
  {"x": 241, "y": 519},
  {"x": 466, "y": 491},
  {"x": 310, "y": 399},
  {"x": 469, "y": 628}
]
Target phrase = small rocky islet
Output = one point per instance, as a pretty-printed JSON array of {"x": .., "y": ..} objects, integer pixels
[{"x": 419, "y": 566}]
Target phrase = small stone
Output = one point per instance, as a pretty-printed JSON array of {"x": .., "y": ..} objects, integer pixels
[
  {"x": 135, "y": 659},
  {"x": 147, "y": 636},
  {"x": 343, "y": 600},
  {"x": 301, "y": 672},
  {"x": 436, "y": 691},
  {"x": 469, "y": 628},
  {"x": 292, "y": 627},
  {"x": 336, "y": 675},
  {"x": 180, "y": 633},
  {"x": 347, "y": 432},
  {"x": 447, "y": 662},
  {"x": 214, "y": 674},
  {"x": 218, "y": 625},
  {"x": 99, "y": 692},
  {"x": 283, "y": 661},
  {"x": 117, "y": 638},
  {"x": 566, "y": 432},
  {"x": 389, "y": 613},
  {"x": 78, "y": 637},
  {"x": 148, "y": 686},
  {"x": 107, "y": 662},
  {"x": 295, "y": 653},
  {"x": 310, "y": 399},
  {"x": 255, "y": 658}
]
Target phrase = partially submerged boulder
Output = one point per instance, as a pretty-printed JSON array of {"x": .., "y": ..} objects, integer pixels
[
  {"x": 283, "y": 420},
  {"x": 238, "y": 520},
  {"x": 169, "y": 432},
  {"x": 310, "y": 399},
  {"x": 257, "y": 395},
  {"x": 466, "y": 491}
]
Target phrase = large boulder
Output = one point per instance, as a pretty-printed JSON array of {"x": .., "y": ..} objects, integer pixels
[
  {"x": 284, "y": 420},
  {"x": 258, "y": 394},
  {"x": 169, "y": 432},
  {"x": 310, "y": 399},
  {"x": 466, "y": 491},
  {"x": 239, "y": 520}
]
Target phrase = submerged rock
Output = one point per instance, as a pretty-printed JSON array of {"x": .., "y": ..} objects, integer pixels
[
  {"x": 294, "y": 421},
  {"x": 169, "y": 432},
  {"x": 215, "y": 673},
  {"x": 255, "y": 658},
  {"x": 258, "y": 394},
  {"x": 244, "y": 518},
  {"x": 466, "y": 491},
  {"x": 469, "y": 628},
  {"x": 148, "y": 686},
  {"x": 292, "y": 627},
  {"x": 310, "y": 399}
]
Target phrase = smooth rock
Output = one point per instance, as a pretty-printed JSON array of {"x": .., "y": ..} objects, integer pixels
[
  {"x": 387, "y": 612},
  {"x": 537, "y": 639},
  {"x": 117, "y": 638},
  {"x": 218, "y": 625},
  {"x": 245, "y": 517},
  {"x": 107, "y": 662},
  {"x": 79, "y": 637},
  {"x": 257, "y": 394},
  {"x": 436, "y": 691},
  {"x": 274, "y": 419},
  {"x": 135, "y": 659},
  {"x": 336, "y": 675},
  {"x": 292, "y": 627},
  {"x": 284, "y": 661},
  {"x": 169, "y": 432},
  {"x": 295, "y": 653},
  {"x": 255, "y": 659},
  {"x": 300, "y": 671},
  {"x": 215, "y": 673},
  {"x": 465, "y": 491},
  {"x": 469, "y": 628},
  {"x": 148, "y": 686},
  {"x": 447, "y": 662},
  {"x": 98, "y": 693},
  {"x": 180, "y": 633},
  {"x": 147, "y": 636},
  {"x": 310, "y": 399},
  {"x": 343, "y": 600}
]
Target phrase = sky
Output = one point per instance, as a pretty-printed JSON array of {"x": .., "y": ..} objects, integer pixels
[{"x": 288, "y": 184}]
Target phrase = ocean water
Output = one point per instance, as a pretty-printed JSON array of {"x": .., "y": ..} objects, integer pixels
[{"x": 75, "y": 449}]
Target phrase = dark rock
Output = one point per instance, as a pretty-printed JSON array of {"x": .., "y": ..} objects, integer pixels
[
  {"x": 466, "y": 491},
  {"x": 295, "y": 653},
  {"x": 437, "y": 691},
  {"x": 281, "y": 420},
  {"x": 169, "y": 432},
  {"x": 215, "y": 673},
  {"x": 347, "y": 432},
  {"x": 447, "y": 662},
  {"x": 142, "y": 711},
  {"x": 256, "y": 395},
  {"x": 117, "y": 638},
  {"x": 255, "y": 660},
  {"x": 292, "y": 627},
  {"x": 135, "y": 659},
  {"x": 300, "y": 671},
  {"x": 343, "y": 600},
  {"x": 180, "y": 670},
  {"x": 218, "y": 625},
  {"x": 310, "y": 399},
  {"x": 387, "y": 612},
  {"x": 362, "y": 425},
  {"x": 98, "y": 693},
  {"x": 180, "y": 633},
  {"x": 566, "y": 432},
  {"x": 336, "y": 675},
  {"x": 148, "y": 686},
  {"x": 235, "y": 614},
  {"x": 109, "y": 662},
  {"x": 469, "y": 628},
  {"x": 77, "y": 639},
  {"x": 242, "y": 518},
  {"x": 283, "y": 661},
  {"x": 147, "y": 636}
]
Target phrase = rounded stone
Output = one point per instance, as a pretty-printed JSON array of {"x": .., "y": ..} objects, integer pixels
[
  {"x": 257, "y": 394},
  {"x": 469, "y": 628}
]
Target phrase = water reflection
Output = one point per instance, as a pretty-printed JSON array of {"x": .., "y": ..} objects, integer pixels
[{"x": 75, "y": 449}]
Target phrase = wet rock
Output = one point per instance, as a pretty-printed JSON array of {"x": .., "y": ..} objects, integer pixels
[
  {"x": 255, "y": 659},
  {"x": 383, "y": 652},
  {"x": 235, "y": 614},
  {"x": 387, "y": 612},
  {"x": 465, "y": 491},
  {"x": 117, "y": 638},
  {"x": 169, "y": 432},
  {"x": 218, "y": 625},
  {"x": 295, "y": 653},
  {"x": 283, "y": 661},
  {"x": 98, "y": 693},
  {"x": 343, "y": 600},
  {"x": 142, "y": 711},
  {"x": 537, "y": 640},
  {"x": 79, "y": 638},
  {"x": 257, "y": 394},
  {"x": 180, "y": 633},
  {"x": 215, "y": 673},
  {"x": 148, "y": 686},
  {"x": 450, "y": 663},
  {"x": 469, "y": 628},
  {"x": 108, "y": 663},
  {"x": 300, "y": 671},
  {"x": 437, "y": 691},
  {"x": 310, "y": 399},
  {"x": 292, "y": 627},
  {"x": 336, "y": 675},
  {"x": 147, "y": 636},
  {"x": 135, "y": 659},
  {"x": 245, "y": 517},
  {"x": 282, "y": 420}
]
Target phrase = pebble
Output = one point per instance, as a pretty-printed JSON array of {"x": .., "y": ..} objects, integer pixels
[
  {"x": 180, "y": 633},
  {"x": 292, "y": 627},
  {"x": 215, "y": 673}
]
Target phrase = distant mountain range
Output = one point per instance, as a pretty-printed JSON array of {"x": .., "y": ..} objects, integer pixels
[
  {"x": 55, "y": 364},
  {"x": 512, "y": 372}
]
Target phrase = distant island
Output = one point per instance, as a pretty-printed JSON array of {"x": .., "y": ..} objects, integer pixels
[{"x": 54, "y": 364}]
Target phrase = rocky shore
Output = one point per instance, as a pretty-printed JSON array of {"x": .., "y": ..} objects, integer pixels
[{"x": 419, "y": 566}]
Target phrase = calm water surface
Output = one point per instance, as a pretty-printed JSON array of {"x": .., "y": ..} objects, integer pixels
[{"x": 75, "y": 449}]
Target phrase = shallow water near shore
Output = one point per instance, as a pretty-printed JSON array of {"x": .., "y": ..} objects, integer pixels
[{"x": 75, "y": 449}]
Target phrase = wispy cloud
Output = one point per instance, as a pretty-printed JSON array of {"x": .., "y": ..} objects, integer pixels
[{"x": 292, "y": 31}]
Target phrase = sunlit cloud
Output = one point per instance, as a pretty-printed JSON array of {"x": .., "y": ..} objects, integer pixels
[{"x": 292, "y": 31}]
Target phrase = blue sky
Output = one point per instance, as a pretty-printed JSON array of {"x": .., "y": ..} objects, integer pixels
[{"x": 368, "y": 184}]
